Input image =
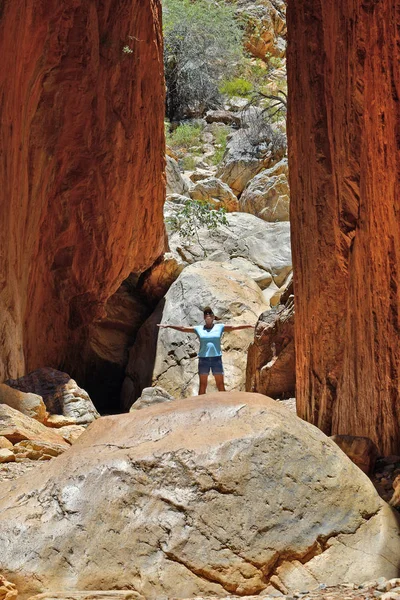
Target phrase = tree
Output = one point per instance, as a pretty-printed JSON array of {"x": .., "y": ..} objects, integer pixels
[
  {"x": 194, "y": 215},
  {"x": 202, "y": 42}
]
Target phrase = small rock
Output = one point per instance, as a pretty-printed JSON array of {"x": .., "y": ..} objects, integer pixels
[
  {"x": 5, "y": 443},
  {"x": 151, "y": 396},
  {"x": 390, "y": 596},
  {"x": 59, "y": 421},
  {"x": 6, "y": 455},
  {"x": 29, "y": 404},
  {"x": 37, "y": 450}
]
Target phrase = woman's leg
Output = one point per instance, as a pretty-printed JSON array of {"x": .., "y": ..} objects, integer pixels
[
  {"x": 203, "y": 384},
  {"x": 219, "y": 380}
]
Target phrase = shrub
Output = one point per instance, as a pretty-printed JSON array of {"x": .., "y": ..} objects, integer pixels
[
  {"x": 202, "y": 42},
  {"x": 221, "y": 133},
  {"x": 188, "y": 163},
  {"x": 236, "y": 87},
  {"x": 185, "y": 136},
  {"x": 194, "y": 215}
]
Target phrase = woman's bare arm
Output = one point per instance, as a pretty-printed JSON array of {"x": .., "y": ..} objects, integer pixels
[
  {"x": 177, "y": 327},
  {"x": 237, "y": 327}
]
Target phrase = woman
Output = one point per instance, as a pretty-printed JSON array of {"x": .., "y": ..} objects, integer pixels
[{"x": 210, "y": 354}]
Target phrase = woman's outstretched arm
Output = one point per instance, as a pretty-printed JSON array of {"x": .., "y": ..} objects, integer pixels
[
  {"x": 236, "y": 327},
  {"x": 177, "y": 327}
]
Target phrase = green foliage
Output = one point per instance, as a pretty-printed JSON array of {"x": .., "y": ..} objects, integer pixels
[
  {"x": 220, "y": 133},
  {"x": 188, "y": 163},
  {"x": 185, "y": 136},
  {"x": 202, "y": 43},
  {"x": 194, "y": 215},
  {"x": 236, "y": 87}
]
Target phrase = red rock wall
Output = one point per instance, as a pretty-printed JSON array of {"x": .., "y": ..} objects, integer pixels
[
  {"x": 344, "y": 136},
  {"x": 81, "y": 167}
]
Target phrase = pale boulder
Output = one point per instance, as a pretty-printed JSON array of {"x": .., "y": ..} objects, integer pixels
[
  {"x": 29, "y": 404},
  {"x": 151, "y": 396},
  {"x": 216, "y": 193},
  {"x": 167, "y": 358},
  {"x": 214, "y": 496},
  {"x": 258, "y": 249},
  {"x": 267, "y": 197}
]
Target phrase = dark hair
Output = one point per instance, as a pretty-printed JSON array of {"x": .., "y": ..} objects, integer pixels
[{"x": 207, "y": 309}]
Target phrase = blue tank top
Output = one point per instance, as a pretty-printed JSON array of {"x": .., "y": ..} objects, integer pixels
[{"x": 210, "y": 340}]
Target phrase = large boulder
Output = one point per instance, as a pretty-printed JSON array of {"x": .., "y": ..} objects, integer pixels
[
  {"x": 271, "y": 359},
  {"x": 258, "y": 249},
  {"x": 216, "y": 193},
  {"x": 168, "y": 358},
  {"x": 60, "y": 393},
  {"x": 209, "y": 496},
  {"x": 267, "y": 197}
]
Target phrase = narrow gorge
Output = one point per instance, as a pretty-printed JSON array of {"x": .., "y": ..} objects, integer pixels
[{"x": 157, "y": 159}]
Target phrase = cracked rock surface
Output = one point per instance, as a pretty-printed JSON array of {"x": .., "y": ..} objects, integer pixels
[{"x": 228, "y": 494}]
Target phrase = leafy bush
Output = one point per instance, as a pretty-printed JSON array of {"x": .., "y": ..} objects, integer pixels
[
  {"x": 188, "y": 163},
  {"x": 194, "y": 215},
  {"x": 221, "y": 133},
  {"x": 185, "y": 136},
  {"x": 236, "y": 87},
  {"x": 202, "y": 42}
]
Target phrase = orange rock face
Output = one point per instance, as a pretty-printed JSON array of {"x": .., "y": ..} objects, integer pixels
[
  {"x": 344, "y": 134},
  {"x": 81, "y": 168}
]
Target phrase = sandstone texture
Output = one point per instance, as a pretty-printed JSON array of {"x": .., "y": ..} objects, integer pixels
[
  {"x": 81, "y": 168},
  {"x": 271, "y": 358},
  {"x": 8, "y": 591},
  {"x": 168, "y": 358},
  {"x": 343, "y": 130},
  {"x": 16, "y": 427},
  {"x": 60, "y": 393},
  {"x": 29, "y": 404},
  {"x": 213, "y": 496}
]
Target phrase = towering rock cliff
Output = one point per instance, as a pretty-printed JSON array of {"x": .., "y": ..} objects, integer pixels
[
  {"x": 81, "y": 167},
  {"x": 344, "y": 133}
]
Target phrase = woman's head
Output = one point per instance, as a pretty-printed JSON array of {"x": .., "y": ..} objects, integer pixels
[{"x": 208, "y": 315}]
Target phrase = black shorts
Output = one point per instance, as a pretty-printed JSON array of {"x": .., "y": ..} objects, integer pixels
[{"x": 213, "y": 363}]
